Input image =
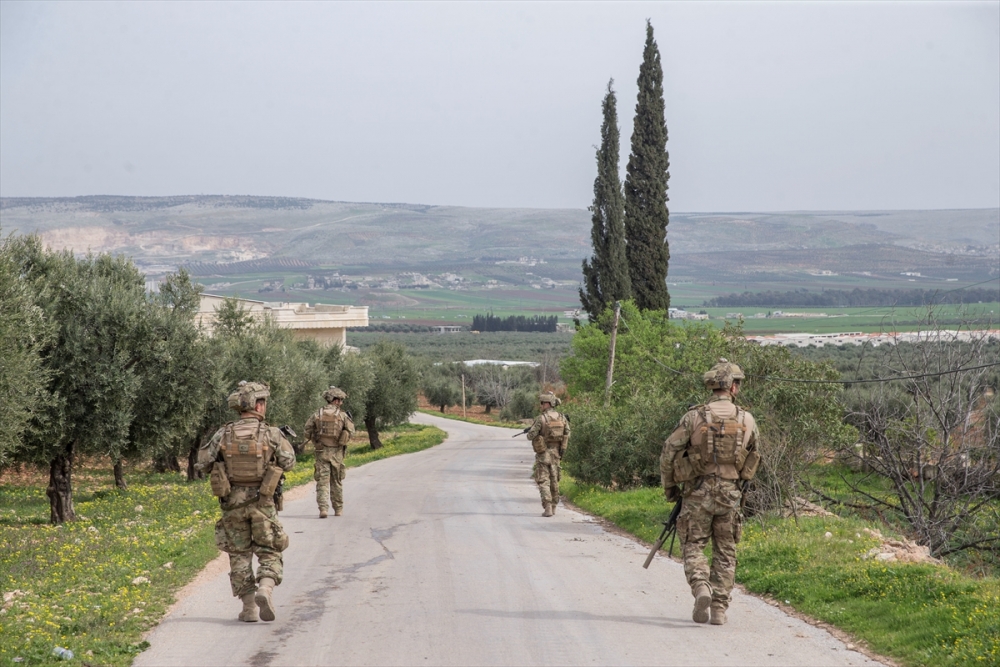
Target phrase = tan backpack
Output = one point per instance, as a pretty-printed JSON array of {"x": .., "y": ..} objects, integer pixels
[
  {"x": 553, "y": 429},
  {"x": 246, "y": 451},
  {"x": 718, "y": 446}
]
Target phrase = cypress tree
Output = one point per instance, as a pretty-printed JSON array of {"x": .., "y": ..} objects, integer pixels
[
  {"x": 606, "y": 276},
  {"x": 646, "y": 214}
]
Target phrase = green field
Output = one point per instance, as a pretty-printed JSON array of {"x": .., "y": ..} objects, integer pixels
[{"x": 868, "y": 320}]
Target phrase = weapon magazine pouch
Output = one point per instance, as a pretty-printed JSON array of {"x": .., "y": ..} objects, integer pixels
[
  {"x": 343, "y": 438},
  {"x": 270, "y": 481},
  {"x": 219, "y": 481},
  {"x": 750, "y": 465},
  {"x": 538, "y": 444},
  {"x": 683, "y": 467}
]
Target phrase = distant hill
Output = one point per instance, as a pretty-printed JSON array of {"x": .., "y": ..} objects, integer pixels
[{"x": 164, "y": 232}]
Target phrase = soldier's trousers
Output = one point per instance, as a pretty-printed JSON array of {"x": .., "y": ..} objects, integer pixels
[
  {"x": 244, "y": 531},
  {"x": 329, "y": 475},
  {"x": 547, "y": 475},
  {"x": 711, "y": 512}
]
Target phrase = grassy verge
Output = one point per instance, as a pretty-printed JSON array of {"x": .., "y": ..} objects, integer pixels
[
  {"x": 919, "y": 614},
  {"x": 472, "y": 420},
  {"x": 96, "y": 584}
]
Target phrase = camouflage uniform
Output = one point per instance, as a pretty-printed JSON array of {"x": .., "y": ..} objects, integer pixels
[
  {"x": 330, "y": 451},
  {"x": 549, "y": 436},
  {"x": 711, "y": 500},
  {"x": 249, "y": 523}
]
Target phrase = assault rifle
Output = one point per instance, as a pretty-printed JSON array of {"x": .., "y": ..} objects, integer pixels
[
  {"x": 521, "y": 432},
  {"x": 669, "y": 530}
]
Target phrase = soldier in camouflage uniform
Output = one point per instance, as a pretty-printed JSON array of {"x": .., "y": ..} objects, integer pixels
[
  {"x": 549, "y": 436},
  {"x": 330, "y": 430},
  {"x": 246, "y": 458},
  {"x": 705, "y": 462}
]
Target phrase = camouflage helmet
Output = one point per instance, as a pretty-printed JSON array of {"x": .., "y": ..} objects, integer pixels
[
  {"x": 549, "y": 397},
  {"x": 247, "y": 394},
  {"x": 332, "y": 393},
  {"x": 722, "y": 375}
]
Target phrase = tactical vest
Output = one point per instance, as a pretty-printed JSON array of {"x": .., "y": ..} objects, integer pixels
[
  {"x": 330, "y": 425},
  {"x": 718, "y": 447},
  {"x": 246, "y": 451},
  {"x": 553, "y": 429}
]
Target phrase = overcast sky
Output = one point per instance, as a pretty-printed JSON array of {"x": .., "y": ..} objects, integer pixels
[{"x": 784, "y": 106}]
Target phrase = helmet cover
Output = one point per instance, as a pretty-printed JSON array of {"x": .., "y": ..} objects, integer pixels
[
  {"x": 247, "y": 394},
  {"x": 332, "y": 393},
  {"x": 722, "y": 375}
]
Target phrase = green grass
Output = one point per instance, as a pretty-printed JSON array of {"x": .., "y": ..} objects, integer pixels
[
  {"x": 96, "y": 584},
  {"x": 919, "y": 614}
]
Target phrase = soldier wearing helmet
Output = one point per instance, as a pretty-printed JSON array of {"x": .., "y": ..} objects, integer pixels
[
  {"x": 705, "y": 463},
  {"x": 549, "y": 436},
  {"x": 330, "y": 430},
  {"x": 247, "y": 458}
]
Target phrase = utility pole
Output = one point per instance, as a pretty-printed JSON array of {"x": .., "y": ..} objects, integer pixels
[
  {"x": 463, "y": 395},
  {"x": 611, "y": 355}
]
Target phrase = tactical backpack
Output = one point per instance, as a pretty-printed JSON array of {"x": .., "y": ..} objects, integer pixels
[
  {"x": 718, "y": 447},
  {"x": 246, "y": 450},
  {"x": 553, "y": 429},
  {"x": 331, "y": 426}
]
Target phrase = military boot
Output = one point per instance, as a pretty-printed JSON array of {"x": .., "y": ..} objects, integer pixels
[
  {"x": 249, "y": 613},
  {"x": 263, "y": 598},
  {"x": 548, "y": 510},
  {"x": 702, "y": 599},
  {"x": 338, "y": 512},
  {"x": 718, "y": 615},
  {"x": 554, "y": 508},
  {"x": 322, "y": 514}
]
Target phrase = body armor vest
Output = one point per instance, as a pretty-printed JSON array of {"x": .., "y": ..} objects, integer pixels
[
  {"x": 330, "y": 426},
  {"x": 553, "y": 429},
  {"x": 246, "y": 451},
  {"x": 718, "y": 447}
]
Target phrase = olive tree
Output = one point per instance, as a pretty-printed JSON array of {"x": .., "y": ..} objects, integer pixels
[
  {"x": 392, "y": 397},
  {"x": 24, "y": 333},
  {"x": 101, "y": 330}
]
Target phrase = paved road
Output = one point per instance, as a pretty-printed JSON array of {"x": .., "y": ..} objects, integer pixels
[{"x": 442, "y": 558}]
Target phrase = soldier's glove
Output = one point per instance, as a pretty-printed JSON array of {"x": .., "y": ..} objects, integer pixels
[{"x": 673, "y": 493}]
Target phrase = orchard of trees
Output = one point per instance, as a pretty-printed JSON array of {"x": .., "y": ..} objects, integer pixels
[
  {"x": 93, "y": 365},
  {"x": 857, "y": 297},
  {"x": 491, "y": 322}
]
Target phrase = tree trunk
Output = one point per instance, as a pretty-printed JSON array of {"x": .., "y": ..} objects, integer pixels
[
  {"x": 120, "y": 476},
  {"x": 60, "y": 491},
  {"x": 166, "y": 463},
  {"x": 487, "y": 410},
  {"x": 442, "y": 409},
  {"x": 192, "y": 459},
  {"x": 372, "y": 433}
]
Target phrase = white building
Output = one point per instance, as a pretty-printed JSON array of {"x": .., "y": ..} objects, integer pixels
[{"x": 323, "y": 323}]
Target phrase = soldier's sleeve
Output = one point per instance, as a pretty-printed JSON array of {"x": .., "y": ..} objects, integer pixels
[
  {"x": 676, "y": 442},
  {"x": 311, "y": 427},
  {"x": 284, "y": 455},
  {"x": 348, "y": 424},
  {"x": 209, "y": 452},
  {"x": 753, "y": 442},
  {"x": 536, "y": 428}
]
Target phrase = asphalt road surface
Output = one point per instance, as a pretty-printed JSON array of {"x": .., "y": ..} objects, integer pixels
[{"x": 443, "y": 558}]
